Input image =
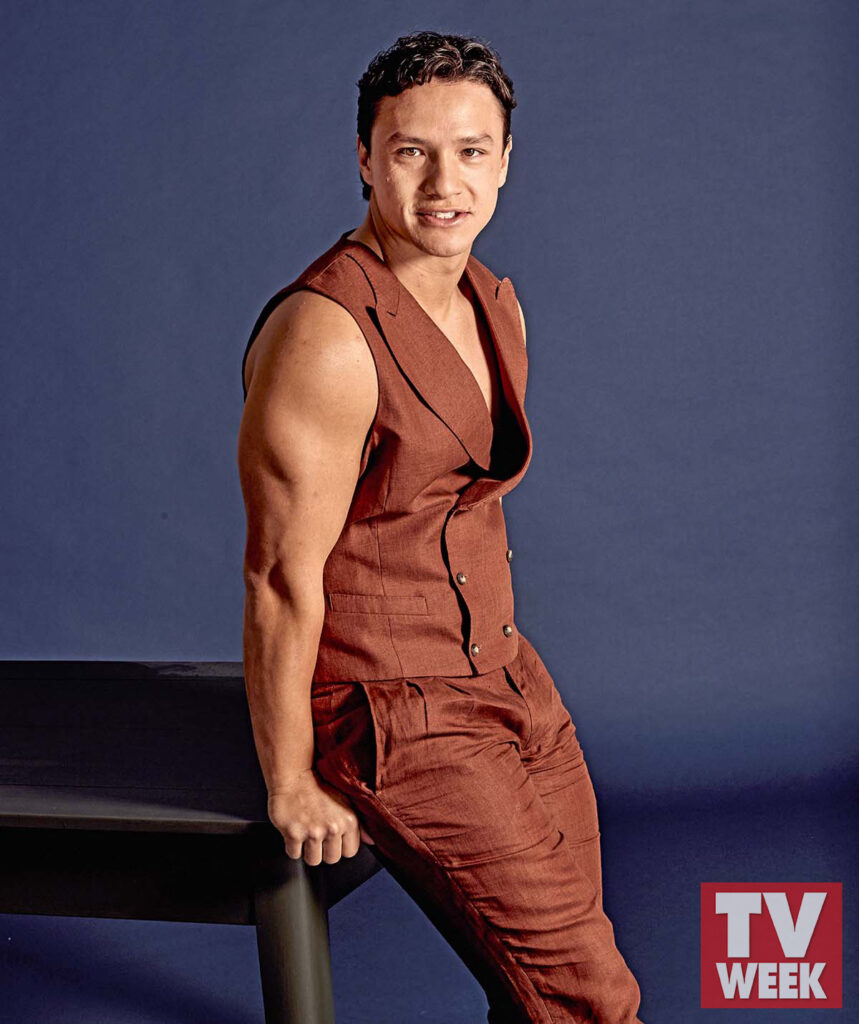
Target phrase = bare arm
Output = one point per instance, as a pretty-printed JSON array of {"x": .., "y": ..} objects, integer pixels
[{"x": 312, "y": 393}]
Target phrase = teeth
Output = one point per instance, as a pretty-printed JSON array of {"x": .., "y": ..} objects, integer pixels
[{"x": 442, "y": 216}]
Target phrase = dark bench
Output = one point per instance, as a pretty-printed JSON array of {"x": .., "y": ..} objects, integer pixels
[{"x": 132, "y": 790}]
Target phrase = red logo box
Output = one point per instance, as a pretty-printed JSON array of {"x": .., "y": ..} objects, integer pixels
[{"x": 770, "y": 944}]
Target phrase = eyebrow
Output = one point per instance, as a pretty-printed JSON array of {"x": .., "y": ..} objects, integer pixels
[{"x": 467, "y": 139}]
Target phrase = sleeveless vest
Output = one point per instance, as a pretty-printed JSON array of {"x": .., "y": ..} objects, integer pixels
[{"x": 419, "y": 580}]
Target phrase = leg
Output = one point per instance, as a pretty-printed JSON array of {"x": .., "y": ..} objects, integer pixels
[
  {"x": 555, "y": 763},
  {"x": 434, "y": 767}
]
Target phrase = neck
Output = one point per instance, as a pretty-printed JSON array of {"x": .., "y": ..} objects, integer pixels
[{"x": 436, "y": 282}]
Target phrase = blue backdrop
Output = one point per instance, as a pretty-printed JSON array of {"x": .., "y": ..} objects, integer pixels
[{"x": 680, "y": 222}]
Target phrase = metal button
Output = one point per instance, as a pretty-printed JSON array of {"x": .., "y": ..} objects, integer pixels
[
  {"x": 475, "y": 648},
  {"x": 507, "y": 630},
  {"x": 510, "y": 554},
  {"x": 461, "y": 577}
]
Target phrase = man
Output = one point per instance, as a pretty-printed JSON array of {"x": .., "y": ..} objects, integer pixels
[{"x": 392, "y": 697}]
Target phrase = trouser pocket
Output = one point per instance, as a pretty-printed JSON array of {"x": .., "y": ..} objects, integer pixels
[
  {"x": 345, "y": 736},
  {"x": 369, "y": 730},
  {"x": 517, "y": 689}
]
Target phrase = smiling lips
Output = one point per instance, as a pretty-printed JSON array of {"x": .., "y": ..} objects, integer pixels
[{"x": 442, "y": 217}]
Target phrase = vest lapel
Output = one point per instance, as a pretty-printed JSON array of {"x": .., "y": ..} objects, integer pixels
[
  {"x": 436, "y": 371},
  {"x": 431, "y": 363},
  {"x": 502, "y": 314}
]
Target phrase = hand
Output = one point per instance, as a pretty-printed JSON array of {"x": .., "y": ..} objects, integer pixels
[{"x": 311, "y": 814}]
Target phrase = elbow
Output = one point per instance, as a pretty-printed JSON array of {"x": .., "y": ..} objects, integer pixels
[{"x": 290, "y": 580}]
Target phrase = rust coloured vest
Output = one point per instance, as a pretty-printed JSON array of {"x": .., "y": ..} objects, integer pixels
[{"x": 419, "y": 580}]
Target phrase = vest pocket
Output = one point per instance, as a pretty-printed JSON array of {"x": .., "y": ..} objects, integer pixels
[{"x": 377, "y": 604}]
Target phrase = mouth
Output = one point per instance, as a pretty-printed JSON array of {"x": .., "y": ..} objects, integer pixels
[{"x": 442, "y": 218}]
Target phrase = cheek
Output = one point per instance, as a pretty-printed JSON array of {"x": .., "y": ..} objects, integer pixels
[
  {"x": 398, "y": 191},
  {"x": 484, "y": 182},
  {"x": 487, "y": 189},
  {"x": 389, "y": 179}
]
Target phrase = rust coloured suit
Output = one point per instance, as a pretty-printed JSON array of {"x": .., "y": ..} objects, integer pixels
[{"x": 432, "y": 713}]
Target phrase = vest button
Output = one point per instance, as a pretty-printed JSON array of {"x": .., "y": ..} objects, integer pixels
[
  {"x": 510, "y": 554},
  {"x": 461, "y": 577},
  {"x": 475, "y": 648},
  {"x": 507, "y": 630}
]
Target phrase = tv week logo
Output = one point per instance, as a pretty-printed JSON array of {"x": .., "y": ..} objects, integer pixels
[{"x": 770, "y": 944}]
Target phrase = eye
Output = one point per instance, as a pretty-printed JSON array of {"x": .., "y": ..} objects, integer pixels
[
  {"x": 472, "y": 149},
  {"x": 414, "y": 149}
]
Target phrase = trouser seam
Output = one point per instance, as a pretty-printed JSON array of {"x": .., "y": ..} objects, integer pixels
[{"x": 532, "y": 992}]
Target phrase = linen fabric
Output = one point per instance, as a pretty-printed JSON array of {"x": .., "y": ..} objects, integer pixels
[
  {"x": 419, "y": 580},
  {"x": 432, "y": 713},
  {"x": 478, "y": 798}
]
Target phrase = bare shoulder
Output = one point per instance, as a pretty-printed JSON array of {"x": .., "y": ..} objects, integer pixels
[
  {"x": 312, "y": 394},
  {"x": 309, "y": 340}
]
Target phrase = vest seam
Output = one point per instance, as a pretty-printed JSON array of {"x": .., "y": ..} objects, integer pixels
[
  {"x": 375, "y": 526},
  {"x": 324, "y": 270},
  {"x": 374, "y": 523},
  {"x": 394, "y": 646}
]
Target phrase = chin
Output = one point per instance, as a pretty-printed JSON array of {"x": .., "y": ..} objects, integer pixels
[
  {"x": 436, "y": 244},
  {"x": 445, "y": 246}
]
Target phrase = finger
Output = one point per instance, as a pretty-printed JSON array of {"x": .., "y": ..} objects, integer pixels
[
  {"x": 313, "y": 851},
  {"x": 292, "y": 847},
  {"x": 332, "y": 848},
  {"x": 351, "y": 842}
]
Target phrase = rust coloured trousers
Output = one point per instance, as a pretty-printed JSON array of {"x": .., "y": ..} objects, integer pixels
[{"x": 478, "y": 798}]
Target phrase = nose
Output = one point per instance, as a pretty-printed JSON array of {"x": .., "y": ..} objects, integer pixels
[{"x": 442, "y": 179}]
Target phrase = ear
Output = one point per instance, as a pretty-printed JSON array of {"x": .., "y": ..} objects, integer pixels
[
  {"x": 364, "y": 162},
  {"x": 505, "y": 161}
]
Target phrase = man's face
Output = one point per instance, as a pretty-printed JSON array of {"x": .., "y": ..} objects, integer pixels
[{"x": 436, "y": 147}]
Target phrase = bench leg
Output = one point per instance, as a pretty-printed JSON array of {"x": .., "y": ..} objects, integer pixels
[{"x": 292, "y": 939}]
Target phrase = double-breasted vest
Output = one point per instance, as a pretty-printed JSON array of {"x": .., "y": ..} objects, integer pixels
[{"x": 419, "y": 581}]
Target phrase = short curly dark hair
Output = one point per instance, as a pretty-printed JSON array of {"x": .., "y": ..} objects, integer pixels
[{"x": 415, "y": 59}]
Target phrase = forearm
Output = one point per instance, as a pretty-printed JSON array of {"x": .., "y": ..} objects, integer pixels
[{"x": 281, "y": 641}]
